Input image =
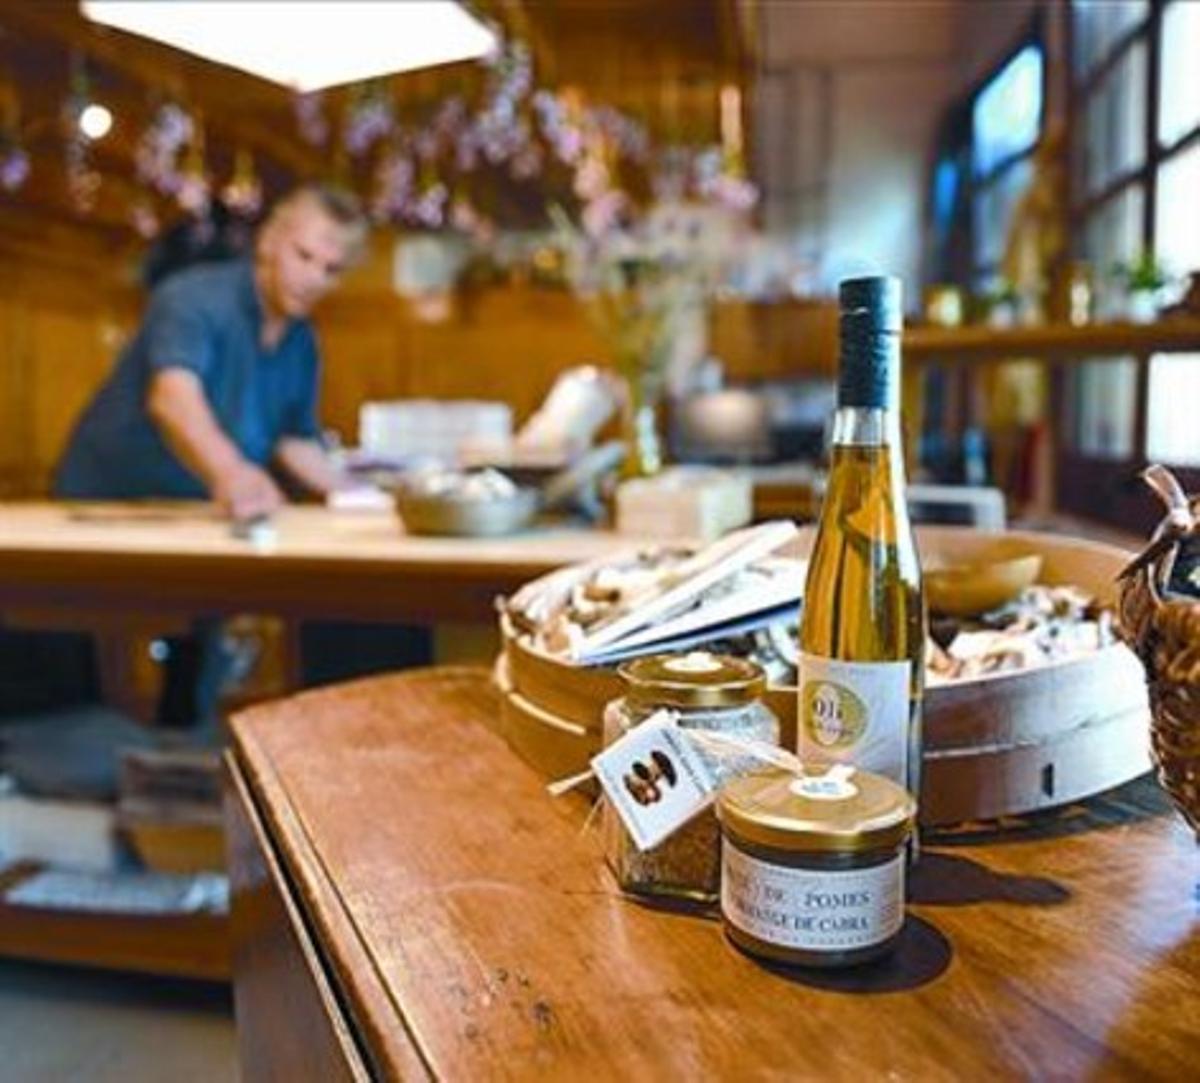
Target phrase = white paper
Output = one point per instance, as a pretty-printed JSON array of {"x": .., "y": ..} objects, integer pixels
[
  {"x": 709, "y": 566},
  {"x": 360, "y": 498},
  {"x": 655, "y": 778},
  {"x": 772, "y": 596}
]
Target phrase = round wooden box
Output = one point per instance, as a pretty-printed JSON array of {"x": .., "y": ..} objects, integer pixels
[{"x": 997, "y": 745}]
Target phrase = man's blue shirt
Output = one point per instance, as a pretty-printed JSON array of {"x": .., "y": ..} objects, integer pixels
[{"x": 206, "y": 319}]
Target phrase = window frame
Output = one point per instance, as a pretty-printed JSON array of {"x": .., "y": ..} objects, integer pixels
[
  {"x": 1108, "y": 489},
  {"x": 953, "y": 257},
  {"x": 977, "y": 184}
]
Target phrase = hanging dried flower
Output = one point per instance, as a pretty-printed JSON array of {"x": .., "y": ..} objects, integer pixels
[
  {"x": 243, "y": 194},
  {"x": 429, "y": 208},
  {"x": 157, "y": 156},
  {"x": 194, "y": 192},
  {"x": 393, "y": 185},
  {"x": 527, "y": 162},
  {"x": 592, "y": 178},
  {"x": 311, "y": 118},
  {"x": 720, "y": 179},
  {"x": 500, "y": 131},
  {"x": 144, "y": 220},
  {"x": 558, "y": 123},
  {"x": 14, "y": 160},
  {"x": 369, "y": 119},
  {"x": 604, "y": 213},
  {"x": 83, "y": 182},
  {"x": 14, "y": 164}
]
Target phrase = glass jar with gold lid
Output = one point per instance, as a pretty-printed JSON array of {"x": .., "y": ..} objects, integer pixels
[
  {"x": 813, "y": 864},
  {"x": 710, "y": 692}
]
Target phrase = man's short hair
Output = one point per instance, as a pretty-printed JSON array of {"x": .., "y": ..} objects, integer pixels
[{"x": 340, "y": 204}]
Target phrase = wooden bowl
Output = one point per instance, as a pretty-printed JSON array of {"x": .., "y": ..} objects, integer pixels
[
  {"x": 1001, "y": 744},
  {"x": 967, "y": 590}
]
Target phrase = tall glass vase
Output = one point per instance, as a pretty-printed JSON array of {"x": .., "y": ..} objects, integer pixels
[{"x": 639, "y": 430}]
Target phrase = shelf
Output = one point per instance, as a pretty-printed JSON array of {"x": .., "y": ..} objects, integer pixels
[
  {"x": 191, "y": 945},
  {"x": 1055, "y": 341}
]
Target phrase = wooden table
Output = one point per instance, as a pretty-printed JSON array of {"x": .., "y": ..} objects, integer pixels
[
  {"x": 129, "y": 573},
  {"x": 184, "y": 559},
  {"x": 407, "y": 889}
]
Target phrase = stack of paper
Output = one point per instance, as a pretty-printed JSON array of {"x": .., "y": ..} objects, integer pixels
[{"x": 728, "y": 588}]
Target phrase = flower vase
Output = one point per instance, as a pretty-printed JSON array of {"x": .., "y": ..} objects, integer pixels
[{"x": 639, "y": 431}]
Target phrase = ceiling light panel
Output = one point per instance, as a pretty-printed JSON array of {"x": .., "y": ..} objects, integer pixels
[{"x": 309, "y": 45}]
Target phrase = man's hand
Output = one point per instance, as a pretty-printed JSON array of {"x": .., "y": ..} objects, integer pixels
[
  {"x": 246, "y": 491},
  {"x": 176, "y": 404},
  {"x": 308, "y": 463}
]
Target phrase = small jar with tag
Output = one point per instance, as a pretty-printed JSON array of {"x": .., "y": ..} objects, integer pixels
[
  {"x": 813, "y": 865},
  {"x": 706, "y": 692}
]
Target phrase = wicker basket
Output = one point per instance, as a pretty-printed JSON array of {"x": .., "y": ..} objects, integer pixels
[{"x": 1163, "y": 627}]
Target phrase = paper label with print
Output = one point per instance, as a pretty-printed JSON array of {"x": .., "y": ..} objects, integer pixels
[
  {"x": 816, "y": 910},
  {"x": 655, "y": 778},
  {"x": 855, "y": 712}
]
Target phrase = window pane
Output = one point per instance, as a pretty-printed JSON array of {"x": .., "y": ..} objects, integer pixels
[
  {"x": 1008, "y": 112},
  {"x": 1172, "y": 433},
  {"x": 1111, "y": 235},
  {"x": 993, "y": 210},
  {"x": 1099, "y": 24},
  {"x": 1179, "y": 91},
  {"x": 1113, "y": 137},
  {"x": 1177, "y": 217},
  {"x": 1104, "y": 393}
]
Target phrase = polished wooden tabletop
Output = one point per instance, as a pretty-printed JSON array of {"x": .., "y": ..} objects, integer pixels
[
  {"x": 472, "y": 931},
  {"x": 314, "y": 561}
]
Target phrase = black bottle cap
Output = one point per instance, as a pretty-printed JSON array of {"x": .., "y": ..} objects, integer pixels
[
  {"x": 870, "y": 321},
  {"x": 876, "y": 299}
]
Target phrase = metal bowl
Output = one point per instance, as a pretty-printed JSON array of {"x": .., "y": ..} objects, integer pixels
[{"x": 466, "y": 517}]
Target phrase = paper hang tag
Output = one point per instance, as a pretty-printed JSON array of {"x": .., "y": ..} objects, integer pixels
[{"x": 655, "y": 778}]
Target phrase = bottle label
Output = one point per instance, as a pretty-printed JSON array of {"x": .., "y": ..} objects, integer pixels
[
  {"x": 855, "y": 712},
  {"x": 817, "y": 910}
]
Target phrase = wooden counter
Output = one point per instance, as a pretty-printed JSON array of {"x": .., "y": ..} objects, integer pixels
[
  {"x": 183, "y": 558},
  {"x": 407, "y": 889}
]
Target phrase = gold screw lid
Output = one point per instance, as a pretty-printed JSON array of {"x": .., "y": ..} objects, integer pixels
[
  {"x": 839, "y": 810},
  {"x": 695, "y": 679}
]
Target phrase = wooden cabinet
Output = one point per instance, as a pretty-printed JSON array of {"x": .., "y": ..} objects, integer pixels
[{"x": 290, "y": 1024}]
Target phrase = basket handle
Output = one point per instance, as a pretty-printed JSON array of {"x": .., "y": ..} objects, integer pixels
[{"x": 1158, "y": 558}]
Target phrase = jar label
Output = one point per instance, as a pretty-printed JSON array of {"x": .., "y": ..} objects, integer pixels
[
  {"x": 811, "y": 909},
  {"x": 855, "y": 712}
]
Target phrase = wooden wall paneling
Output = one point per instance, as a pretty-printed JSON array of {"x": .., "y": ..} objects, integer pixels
[
  {"x": 74, "y": 343},
  {"x": 509, "y": 345},
  {"x": 362, "y": 351},
  {"x": 77, "y": 325},
  {"x": 14, "y": 440},
  {"x": 67, "y": 298},
  {"x": 782, "y": 339}
]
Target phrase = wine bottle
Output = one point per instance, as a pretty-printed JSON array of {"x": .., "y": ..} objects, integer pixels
[{"x": 862, "y": 628}]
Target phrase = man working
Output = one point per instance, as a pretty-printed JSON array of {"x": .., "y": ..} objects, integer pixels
[
  {"x": 220, "y": 382},
  {"x": 218, "y": 385}
]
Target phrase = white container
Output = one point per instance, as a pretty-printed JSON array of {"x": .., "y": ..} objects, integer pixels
[
  {"x": 428, "y": 428},
  {"x": 685, "y": 502}
]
